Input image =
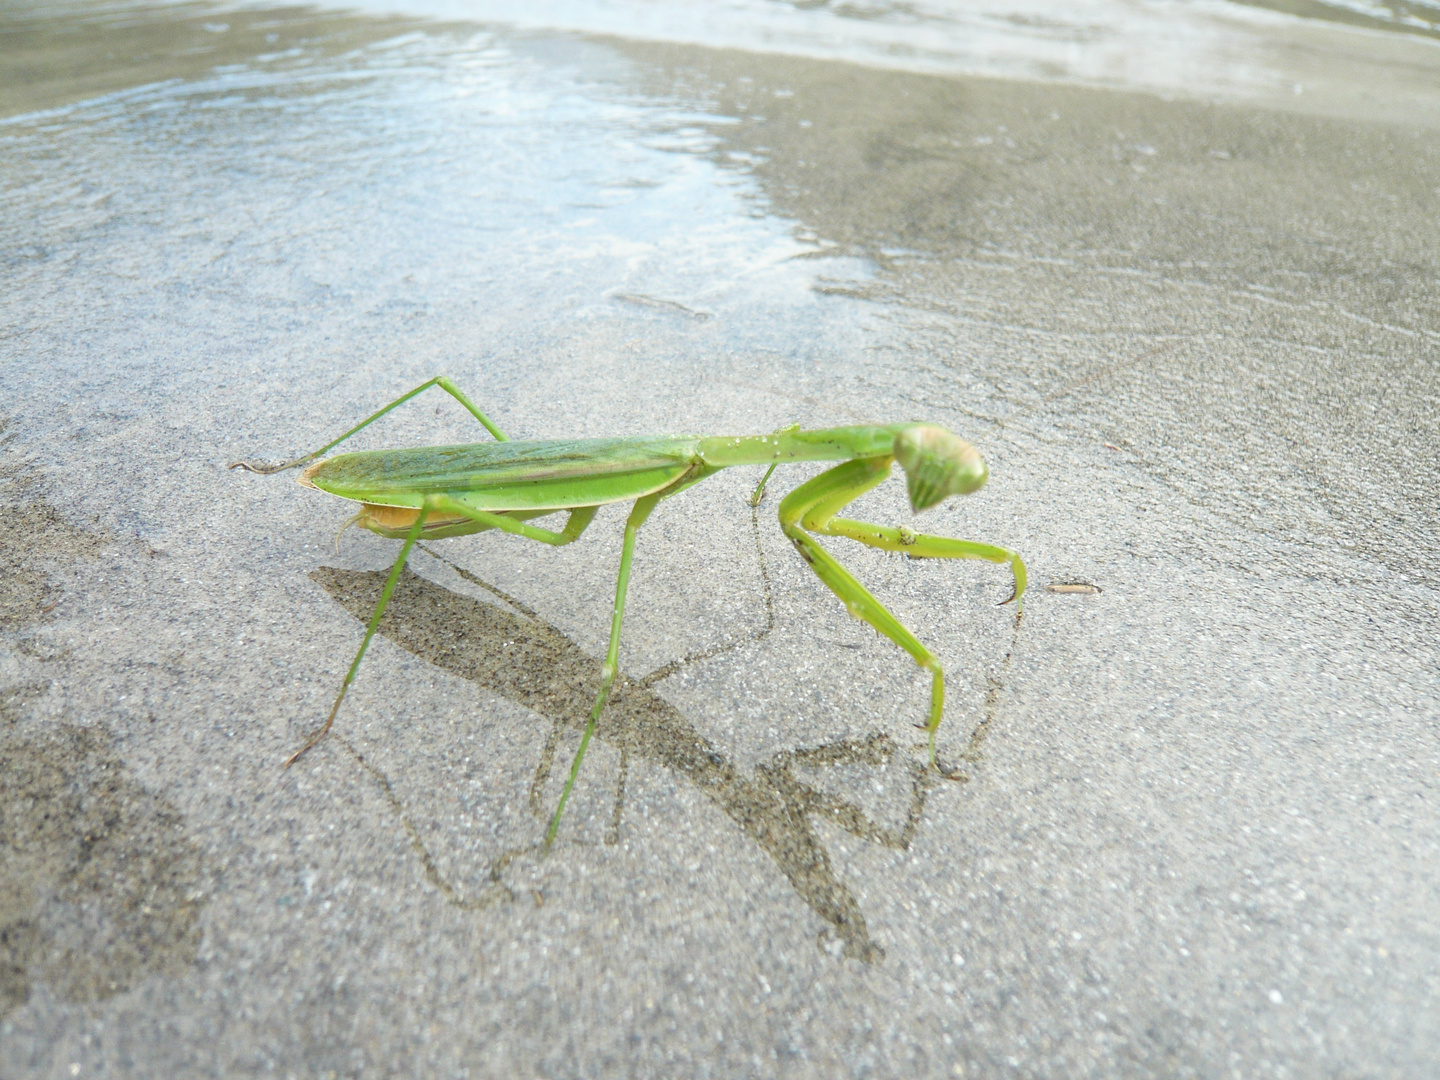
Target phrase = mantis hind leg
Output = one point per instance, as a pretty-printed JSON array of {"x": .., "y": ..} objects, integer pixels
[
  {"x": 812, "y": 508},
  {"x": 369, "y": 633},
  {"x": 441, "y": 381},
  {"x": 579, "y": 519}
]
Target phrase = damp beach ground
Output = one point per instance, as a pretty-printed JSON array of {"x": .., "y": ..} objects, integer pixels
[{"x": 1188, "y": 314}]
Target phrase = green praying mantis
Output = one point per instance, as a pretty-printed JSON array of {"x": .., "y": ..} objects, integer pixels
[{"x": 441, "y": 491}]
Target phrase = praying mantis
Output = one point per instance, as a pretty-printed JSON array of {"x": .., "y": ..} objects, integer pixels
[{"x": 442, "y": 491}]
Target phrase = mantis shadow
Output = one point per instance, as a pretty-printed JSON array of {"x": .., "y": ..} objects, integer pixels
[{"x": 521, "y": 657}]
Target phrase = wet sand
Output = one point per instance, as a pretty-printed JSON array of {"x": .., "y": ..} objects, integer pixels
[{"x": 1193, "y": 830}]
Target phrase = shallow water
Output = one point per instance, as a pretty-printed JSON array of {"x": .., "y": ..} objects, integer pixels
[{"x": 1170, "y": 266}]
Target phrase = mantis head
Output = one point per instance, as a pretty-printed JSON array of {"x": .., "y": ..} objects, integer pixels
[{"x": 937, "y": 464}]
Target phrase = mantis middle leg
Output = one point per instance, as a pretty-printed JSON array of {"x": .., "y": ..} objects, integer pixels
[
  {"x": 812, "y": 508},
  {"x": 579, "y": 519},
  {"x": 638, "y": 513}
]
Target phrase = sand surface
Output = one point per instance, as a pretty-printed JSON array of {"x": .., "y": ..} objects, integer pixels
[{"x": 1195, "y": 824}]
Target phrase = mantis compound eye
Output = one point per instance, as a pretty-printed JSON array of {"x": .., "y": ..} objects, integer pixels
[{"x": 937, "y": 464}]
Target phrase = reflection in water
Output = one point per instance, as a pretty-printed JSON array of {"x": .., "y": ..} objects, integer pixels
[{"x": 528, "y": 661}]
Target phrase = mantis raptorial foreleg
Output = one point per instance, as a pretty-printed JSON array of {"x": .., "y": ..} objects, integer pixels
[
  {"x": 441, "y": 381},
  {"x": 924, "y": 546},
  {"x": 812, "y": 507}
]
